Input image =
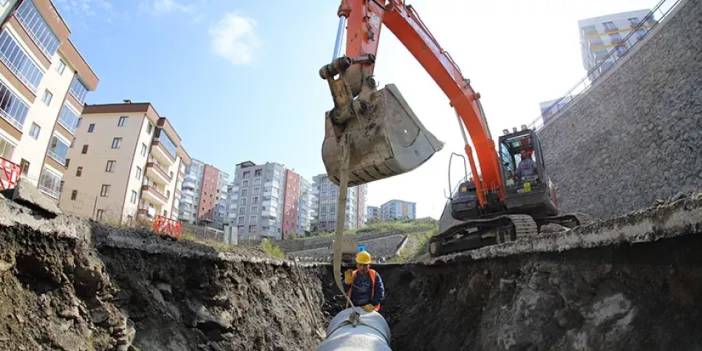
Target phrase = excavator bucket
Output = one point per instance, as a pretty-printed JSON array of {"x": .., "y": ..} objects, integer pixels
[{"x": 386, "y": 139}]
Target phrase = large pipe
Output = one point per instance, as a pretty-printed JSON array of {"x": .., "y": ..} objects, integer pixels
[{"x": 370, "y": 333}]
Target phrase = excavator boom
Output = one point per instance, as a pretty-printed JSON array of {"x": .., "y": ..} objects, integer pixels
[{"x": 385, "y": 136}]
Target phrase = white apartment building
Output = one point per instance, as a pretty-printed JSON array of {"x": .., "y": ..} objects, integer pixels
[
  {"x": 394, "y": 210},
  {"x": 327, "y": 197},
  {"x": 127, "y": 164},
  {"x": 190, "y": 192},
  {"x": 256, "y": 200},
  {"x": 43, "y": 84},
  {"x": 599, "y": 35}
]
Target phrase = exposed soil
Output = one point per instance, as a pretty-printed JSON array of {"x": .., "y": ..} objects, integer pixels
[{"x": 629, "y": 283}]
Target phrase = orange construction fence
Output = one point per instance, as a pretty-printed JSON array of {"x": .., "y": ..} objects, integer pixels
[
  {"x": 9, "y": 174},
  {"x": 167, "y": 227}
]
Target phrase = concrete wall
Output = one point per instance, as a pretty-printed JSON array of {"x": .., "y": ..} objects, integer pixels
[{"x": 635, "y": 136}]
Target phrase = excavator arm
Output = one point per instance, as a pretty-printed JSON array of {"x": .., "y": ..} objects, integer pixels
[{"x": 358, "y": 103}]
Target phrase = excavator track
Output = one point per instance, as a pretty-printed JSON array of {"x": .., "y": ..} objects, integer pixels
[{"x": 477, "y": 233}]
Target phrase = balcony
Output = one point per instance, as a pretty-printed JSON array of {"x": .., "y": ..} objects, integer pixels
[
  {"x": 159, "y": 151},
  {"x": 155, "y": 172},
  {"x": 149, "y": 192}
]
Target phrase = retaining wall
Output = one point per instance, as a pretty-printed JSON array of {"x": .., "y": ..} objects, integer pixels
[{"x": 635, "y": 136}]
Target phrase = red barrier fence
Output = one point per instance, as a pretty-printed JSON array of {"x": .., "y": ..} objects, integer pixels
[
  {"x": 167, "y": 227},
  {"x": 9, "y": 174}
]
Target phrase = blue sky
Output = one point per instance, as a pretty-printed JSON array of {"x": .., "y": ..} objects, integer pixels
[{"x": 239, "y": 78}]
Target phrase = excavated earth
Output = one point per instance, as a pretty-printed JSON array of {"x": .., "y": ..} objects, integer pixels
[{"x": 633, "y": 282}]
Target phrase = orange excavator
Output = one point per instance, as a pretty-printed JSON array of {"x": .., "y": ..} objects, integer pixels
[{"x": 372, "y": 134}]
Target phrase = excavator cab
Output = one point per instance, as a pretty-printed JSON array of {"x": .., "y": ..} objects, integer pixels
[
  {"x": 528, "y": 188},
  {"x": 386, "y": 138}
]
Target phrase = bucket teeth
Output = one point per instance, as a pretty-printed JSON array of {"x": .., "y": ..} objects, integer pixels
[{"x": 386, "y": 139}]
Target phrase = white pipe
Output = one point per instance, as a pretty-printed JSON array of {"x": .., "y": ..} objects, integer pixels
[{"x": 371, "y": 334}]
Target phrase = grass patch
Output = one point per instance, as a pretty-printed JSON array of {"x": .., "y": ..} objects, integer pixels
[
  {"x": 272, "y": 249},
  {"x": 416, "y": 246}
]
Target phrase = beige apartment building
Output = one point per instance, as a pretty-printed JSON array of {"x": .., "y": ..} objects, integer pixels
[
  {"x": 127, "y": 164},
  {"x": 43, "y": 83}
]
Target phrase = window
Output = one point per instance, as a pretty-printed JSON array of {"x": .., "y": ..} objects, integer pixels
[
  {"x": 78, "y": 90},
  {"x": 246, "y": 174},
  {"x": 167, "y": 143},
  {"x": 244, "y": 192},
  {"x": 134, "y": 197},
  {"x": 589, "y": 30},
  {"x": 58, "y": 149},
  {"x": 110, "y": 166},
  {"x": 50, "y": 183},
  {"x": 241, "y": 220},
  {"x": 634, "y": 21},
  {"x": 116, "y": 143},
  {"x": 46, "y": 98},
  {"x": 19, "y": 62},
  {"x": 257, "y": 190},
  {"x": 69, "y": 119},
  {"x": 60, "y": 67},
  {"x": 85, "y": 149},
  {"x": 68, "y": 161},
  {"x": 255, "y": 199},
  {"x": 99, "y": 214},
  {"x": 74, "y": 195},
  {"x": 144, "y": 149},
  {"x": 24, "y": 166},
  {"x": 609, "y": 26},
  {"x": 122, "y": 121},
  {"x": 6, "y": 148},
  {"x": 252, "y": 228},
  {"x": 34, "y": 131},
  {"x": 254, "y": 209},
  {"x": 105, "y": 190},
  {"x": 79, "y": 171},
  {"x": 168, "y": 194},
  {"x": 12, "y": 108},
  {"x": 243, "y": 202},
  {"x": 245, "y": 183},
  {"x": 242, "y": 210},
  {"x": 149, "y": 128},
  {"x": 37, "y": 27},
  {"x": 253, "y": 219},
  {"x": 138, "y": 173},
  {"x": 257, "y": 172}
]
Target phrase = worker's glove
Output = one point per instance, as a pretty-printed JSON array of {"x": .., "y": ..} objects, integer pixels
[
  {"x": 348, "y": 277},
  {"x": 368, "y": 308}
]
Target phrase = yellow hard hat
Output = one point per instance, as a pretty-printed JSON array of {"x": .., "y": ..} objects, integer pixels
[{"x": 363, "y": 257}]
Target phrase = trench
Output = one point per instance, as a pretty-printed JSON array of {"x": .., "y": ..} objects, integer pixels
[{"x": 630, "y": 283}]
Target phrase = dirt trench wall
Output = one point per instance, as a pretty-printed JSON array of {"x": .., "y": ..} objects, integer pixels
[
  {"x": 635, "y": 136},
  {"x": 641, "y": 297},
  {"x": 182, "y": 296}
]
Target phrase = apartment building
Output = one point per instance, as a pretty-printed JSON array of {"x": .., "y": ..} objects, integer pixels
[
  {"x": 43, "y": 84},
  {"x": 269, "y": 201},
  {"x": 372, "y": 214},
  {"x": 307, "y": 207},
  {"x": 204, "y": 194},
  {"x": 394, "y": 210},
  {"x": 600, "y": 35},
  {"x": 256, "y": 200},
  {"x": 327, "y": 197},
  {"x": 127, "y": 164},
  {"x": 190, "y": 192}
]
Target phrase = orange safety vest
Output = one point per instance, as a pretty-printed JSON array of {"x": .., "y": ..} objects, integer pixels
[{"x": 372, "y": 273}]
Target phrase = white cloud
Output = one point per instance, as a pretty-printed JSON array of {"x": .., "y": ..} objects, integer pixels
[
  {"x": 234, "y": 38},
  {"x": 165, "y": 6}
]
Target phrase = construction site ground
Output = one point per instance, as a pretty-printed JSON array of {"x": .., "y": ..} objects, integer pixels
[{"x": 633, "y": 282}]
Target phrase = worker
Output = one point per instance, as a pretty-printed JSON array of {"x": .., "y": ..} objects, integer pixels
[
  {"x": 364, "y": 285},
  {"x": 527, "y": 167}
]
